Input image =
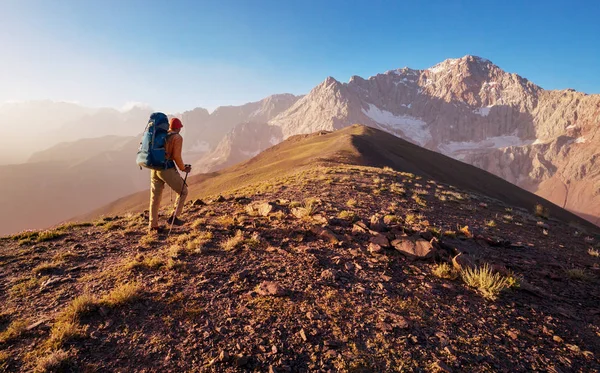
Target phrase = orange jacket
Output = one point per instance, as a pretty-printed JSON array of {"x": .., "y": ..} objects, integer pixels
[{"x": 173, "y": 149}]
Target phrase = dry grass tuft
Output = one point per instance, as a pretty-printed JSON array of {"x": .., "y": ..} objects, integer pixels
[
  {"x": 419, "y": 201},
  {"x": 49, "y": 235},
  {"x": 45, "y": 268},
  {"x": 233, "y": 242},
  {"x": 24, "y": 287},
  {"x": 225, "y": 221},
  {"x": 594, "y": 252},
  {"x": 148, "y": 240},
  {"x": 351, "y": 202},
  {"x": 451, "y": 234},
  {"x": 122, "y": 294},
  {"x": 198, "y": 223},
  {"x": 142, "y": 262},
  {"x": 490, "y": 223},
  {"x": 13, "y": 331},
  {"x": 82, "y": 305},
  {"x": 541, "y": 211},
  {"x": 445, "y": 270},
  {"x": 347, "y": 215},
  {"x": 64, "y": 331},
  {"x": 55, "y": 361},
  {"x": 487, "y": 282},
  {"x": 577, "y": 274}
]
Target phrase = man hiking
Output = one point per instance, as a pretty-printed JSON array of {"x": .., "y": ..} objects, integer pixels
[{"x": 170, "y": 176}]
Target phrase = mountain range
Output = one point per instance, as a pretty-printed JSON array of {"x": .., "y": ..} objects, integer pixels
[{"x": 544, "y": 141}]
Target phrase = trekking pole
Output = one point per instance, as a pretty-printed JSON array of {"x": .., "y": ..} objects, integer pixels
[{"x": 173, "y": 216}]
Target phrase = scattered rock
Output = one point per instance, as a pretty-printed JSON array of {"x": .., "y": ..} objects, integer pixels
[
  {"x": 264, "y": 209},
  {"x": 419, "y": 249},
  {"x": 377, "y": 224},
  {"x": 224, "y": 356},
  {"x": 359, "y": 228},
  {"x": 271, "y": 288},
  {"x": 303, "y": 335},
  {"x": 320, "y": 219},
  {"x": 557, "y": 339},
  {"x": 219, "y": 199},
  {"x": 325, "y": 233},
  {"x": 375, "y": 248},
  {"x": 35, "y": 324},
  {"x": 380, "y": 240},
  {"x": 198, "y": 202}
]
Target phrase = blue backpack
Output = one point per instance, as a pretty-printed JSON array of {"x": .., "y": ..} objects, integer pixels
[{"x": 151, "y": 153}]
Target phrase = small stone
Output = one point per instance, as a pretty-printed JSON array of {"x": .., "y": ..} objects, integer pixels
[
  {"x": 375, "y": 248},
  {"x": 377, "y": 224},
  {"x": 274, "y": 349},
  {"x": 35, "y": 325},
  {"x": 303, "y": 335},
  {"x": 513, "y": 334},
  {"x": 573, "y": 348},
  {"x": 224, "y": 356},
  {"x": 380, "y": 240},
  {"x": 264, "y": 209},
  {"x": 271, "y": 288},
  {"x": 198, "y": 202},
  {"x": 320, "y": 219},
  {"x": 325, "y": 233},
  {"x": 359, "y": 227}
]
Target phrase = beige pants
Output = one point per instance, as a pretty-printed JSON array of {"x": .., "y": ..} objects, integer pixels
[{"x": 158, "y": 178}]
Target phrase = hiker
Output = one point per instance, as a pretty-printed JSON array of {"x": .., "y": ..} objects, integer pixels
[{"x": 170, "y": 175}]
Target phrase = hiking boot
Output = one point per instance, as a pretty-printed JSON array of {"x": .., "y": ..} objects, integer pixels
[{"x": 175, "y": 221}]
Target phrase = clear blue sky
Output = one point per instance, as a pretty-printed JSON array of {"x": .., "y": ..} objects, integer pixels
[{"x": 177, "y": 55}]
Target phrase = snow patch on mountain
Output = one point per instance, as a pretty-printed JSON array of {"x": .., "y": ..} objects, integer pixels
[
  {"x": 483, "y": 111},
  {"x": 413, "y": 128},
  {"x": 459, "y": 149}
]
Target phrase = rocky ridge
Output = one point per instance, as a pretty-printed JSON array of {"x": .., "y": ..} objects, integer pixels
[{"x": 329, "y": 269}]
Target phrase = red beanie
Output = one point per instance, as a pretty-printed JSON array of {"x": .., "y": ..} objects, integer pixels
[{"x": 175, "y": 124}]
